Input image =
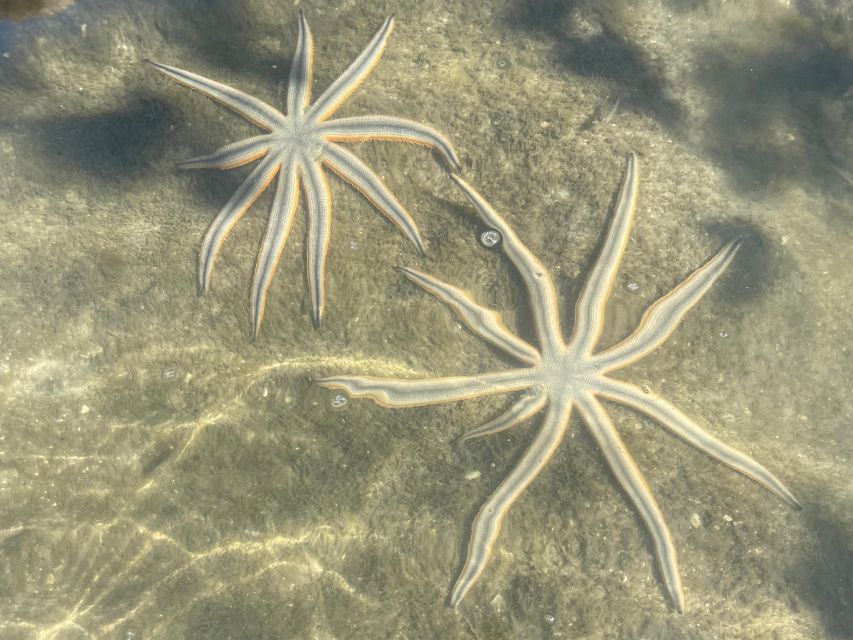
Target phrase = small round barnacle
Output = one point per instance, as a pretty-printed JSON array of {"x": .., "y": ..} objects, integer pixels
[{"x": 490, "y": 238}]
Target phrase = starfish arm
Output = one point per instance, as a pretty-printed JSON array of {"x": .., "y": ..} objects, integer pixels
[
  {"x": 482, "y": 321},
  {"x": 392, "y": 129},
  {"x": 275, "y": 237},
  {"x": 231, "y": 155},
  {"x": 679, "y": 424},
  {"x": 661, "y": 319},
  {"x": 392, "y": 392},
  {"x": 319, "y": 233},
  {"x": 633, "y": 483},
  {"x": 237, "y": 205},
  {"x": 359, "y": 175},
  {"x": 540, "y": 287},
  {"x": 589, "y": 309},
  {"x": 252, "y": 109},
  {"x": 299, "y": 83},
  {"x": 527, "y": 407},
  {"x": 487, "y": 524},
  {"x": 349, "y": 80}
]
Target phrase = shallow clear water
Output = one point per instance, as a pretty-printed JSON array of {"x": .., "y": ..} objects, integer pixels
[{"x": 164, "y": 476}]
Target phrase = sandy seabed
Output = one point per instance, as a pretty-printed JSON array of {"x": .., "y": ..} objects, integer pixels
[{"x": 164, "y": 476}]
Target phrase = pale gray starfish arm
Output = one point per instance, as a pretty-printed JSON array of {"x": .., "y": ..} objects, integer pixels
[
  {"x": 237, "y": 205},
  {"x": 392, "y": 129},
  {"x": 661, "y": 319},
  {"x": 319, "y": 204},
  {"x": 527, "y": 407},
  {"x": 362, "y": 178},
  {"x": 589, "y": 309},
  {"x": 275, "y": 237},
  {"x": 355, "y": 74},
  {"x": 679, "y": 424},
  {"x": 487, "y": 524},
  {"x": 254, "y": 110},
  {"x": 484, "y": 322},
  {"x": 299, "y": 83},
  {"x": 540, "y": 287},
  {"x": 392, "y": 392},
  {"x": 632, "y": 481},
  {"x": 231, "y": 155}
]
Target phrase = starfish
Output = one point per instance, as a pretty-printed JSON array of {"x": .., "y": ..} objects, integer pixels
[
  {"x": 296, "y": 147},
  {"x": 563, "y": 375}
]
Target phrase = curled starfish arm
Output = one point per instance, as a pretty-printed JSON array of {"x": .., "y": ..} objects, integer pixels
[
  {"x": 237, "y": 205},
  {"x": 299, "y": 83},
  {"x": 633, "y": 483},
  {"x": 484, "y": 322},
  {"x": 540, "y": 287},
  {"x": 589, "y": 309},
  {"x": 525, "y": 408},
  {"x": 487, "y": 524},
  {"x": 275, "y": 237},
  {"x": 319, "y": 233},
  {"x": 231, "y": 155},
  {"x": 355, "y": 74},
  {"x": 252, "y": 109},
  {"x": 661, "y": 319},
  {"x": 366, "y": 182},
  {"x": 392, "y": 392},
  {"x": 679, "y": 424},
  {"x": 391, "y": 129}
]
